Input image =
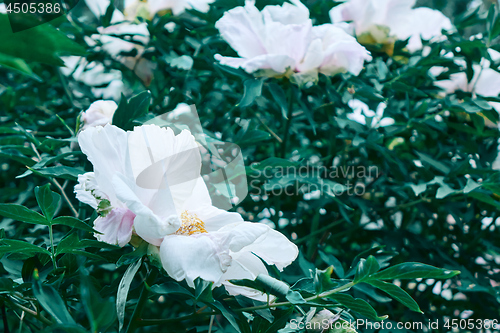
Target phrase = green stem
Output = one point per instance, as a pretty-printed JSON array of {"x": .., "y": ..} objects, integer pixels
[
  {"x": 32, "y": 313},
  {"x": 51, "y": 235},
  {"x": 151, "y": 322},
  {"x": 135, "y": 321},
  {"x": 288, "y": 122},
  {"x": 318, "y": 231},
  {"x": 309, "y": 299}
]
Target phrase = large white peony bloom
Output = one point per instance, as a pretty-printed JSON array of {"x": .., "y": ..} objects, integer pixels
[
  {"x": 148, "y": 182},
  {"x": 281, "y": 40},
  {"x": 380, "y": 21}
]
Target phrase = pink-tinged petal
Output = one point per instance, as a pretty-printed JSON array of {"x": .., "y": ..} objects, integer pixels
[
  {"x": 190, "y": 257},
  {"x": 116, "y": 227},
  {"x": 243, "y": 29}
]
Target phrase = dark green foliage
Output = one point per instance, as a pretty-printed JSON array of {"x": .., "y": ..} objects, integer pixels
[{"x": 407, "y": 232}]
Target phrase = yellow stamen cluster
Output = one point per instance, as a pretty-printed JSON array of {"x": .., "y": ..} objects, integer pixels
[{"x": 190, "y": 225}]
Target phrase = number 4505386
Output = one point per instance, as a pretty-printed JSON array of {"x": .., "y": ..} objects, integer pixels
[
  {"x": 472, "y": 324},
  {"x": 33, "y": 8}
]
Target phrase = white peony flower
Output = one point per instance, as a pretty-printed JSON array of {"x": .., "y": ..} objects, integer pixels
[
  {"x": 485, "y": 81},
  {"x": 149, "y": 8},
  {"x": 281, "y": 40},
  {"x": 361, "y": 112},
  {"x": 380, "y": 21},
  {"x": 124, "y": 40},
  {"x": 99, "y": 113},
  {"x": 104, "y": 83},
  {"x": 147, "y": 181}
]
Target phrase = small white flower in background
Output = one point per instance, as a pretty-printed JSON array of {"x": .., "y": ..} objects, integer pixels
[
  {"x": 380, "y": 21},
  {"x": 104, "y": 83},
  {"x": 361, "y": 112},
  {"x": 149, "y": 8},
  {"x": 99, "y": 113},
  {"x": 485, "y": 82},
  {"x": 147, "y": 182},
  {"x": 123, "y": 36},
  {"x": 281, "y": 41}
]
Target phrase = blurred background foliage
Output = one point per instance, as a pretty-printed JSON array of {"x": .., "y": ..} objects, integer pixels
[{"x": 434, "y": 198}]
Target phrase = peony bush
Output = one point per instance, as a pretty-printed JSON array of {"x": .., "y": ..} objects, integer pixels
[{"x": 250, "y": 166}]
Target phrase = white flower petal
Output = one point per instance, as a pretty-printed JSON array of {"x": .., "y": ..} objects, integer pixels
[
  {"x": 99, "y": 113},
  {"x": 190, "y": 257},
  {"x": 147, "y": 224},
  {"x": 243, "y": 29},
  {"x": 272, "y": 247},
  {"x": 288, "y": 13},
  {"x": 105, "y": 148},
  {"x": 83, "y": 190}
]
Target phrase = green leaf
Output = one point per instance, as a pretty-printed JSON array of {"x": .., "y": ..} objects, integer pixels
[
  {"x": 18, "y": 65},
  {"x": 280, "y": 98},
  {"x": 52, "y": 303},
  {"x": 43, "y": 43},
  {"x": 48, "y": 201},
  {"x": 323, "y": 280},
  {"x": 493, "y": 22},
  {"x": 72, "y": 222},
  {"x": 228, "y": 314},
  {"x": 397, "y": 293},
  {"x": 170, "y": 288},
  {"x": 203, "y": 290},
  {"x": 18, "y": 246},
  {"x": 280, "y": 322},
  {"x": 133, "y": 256},
  {"x": 60, "y": 171},
  {"x": 21, "y": 213},
  {"x": 366, "y": 268},
  {"x": 433, "y": 163},
  {"x": 101, "y": 312},
  {"x": 123, "y": 288},
  {"x": 253, "y": 89},
  {"x": 358, "y": 305},
  {"x": 413, "y": 270},
  {"x": 295, "y": 297},
  {"x": 130, "y": 110}
]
